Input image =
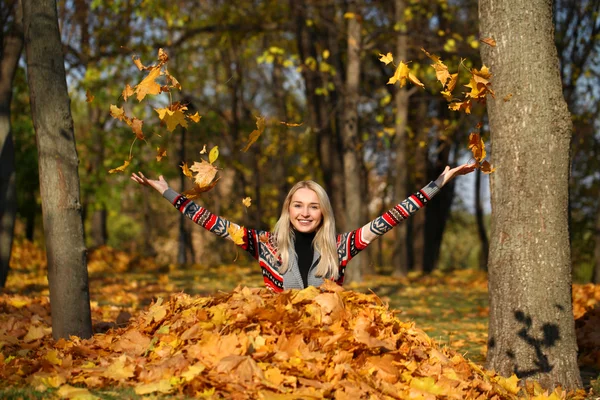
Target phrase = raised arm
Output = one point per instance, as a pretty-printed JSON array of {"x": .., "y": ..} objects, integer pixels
[
  {"x": 351, "y": 243},
  {"x": 198, "y": 214}
]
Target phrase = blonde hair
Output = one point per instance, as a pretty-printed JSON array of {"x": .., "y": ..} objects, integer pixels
[{"x": 325, "y": 238}]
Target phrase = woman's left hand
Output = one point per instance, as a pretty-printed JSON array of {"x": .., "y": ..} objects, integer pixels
[{"x": 451, "y": 173}]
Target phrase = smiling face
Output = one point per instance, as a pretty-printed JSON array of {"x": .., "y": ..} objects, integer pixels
[{"x": 305, "y": 211}]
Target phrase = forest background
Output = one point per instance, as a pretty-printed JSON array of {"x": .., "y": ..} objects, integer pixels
[{"x": 288, "y": 62}]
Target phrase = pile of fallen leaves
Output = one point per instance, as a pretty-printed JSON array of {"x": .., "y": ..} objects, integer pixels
[
  {"x": 586, "y": 308},
  {"x": 249, "y": 343}
]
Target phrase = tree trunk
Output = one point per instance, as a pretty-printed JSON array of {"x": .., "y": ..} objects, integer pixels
[
  {"x": 483, "y": 239},
  {"x": 531, "y": 327},
  {"x": 12, "y": 44},
  {"x": 400, "y": 254},
  {"x": 59, "y": 179},
  {"x": 355, "y": 209},
  {"x": 596, "y": 276}
]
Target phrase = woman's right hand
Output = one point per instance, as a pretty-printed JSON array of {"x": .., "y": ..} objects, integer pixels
[{"x": 160, "y": 185}]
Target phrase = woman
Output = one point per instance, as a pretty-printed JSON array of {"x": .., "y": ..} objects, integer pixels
[{"x": 304, "y": 248}]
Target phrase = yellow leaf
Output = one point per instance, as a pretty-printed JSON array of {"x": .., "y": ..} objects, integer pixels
[
  {"x": 52, "y": 356},
  {"x": 117, "y": 112},
  {"x": 172, "y": 118},
  {"x": 426, "y": 384},
  {"x": 260, "y": 127},
  {"x": 121, "y": 168},
  {"x": 349, "y": 15},
  {"x": 127, "y": 92},
  {"x": 75, "y": 393},
  {"x": 148, "y": 85},
  {"x": 290, "y": 123},
  {"x": 247, "y": 201},
  {"x": 193, "y": 371},
  {"x": 213, "y": 155},
  {"x": 89, "y": 97},
  {"x": 236, "y": 233},
  {"x": 196, "y": 117},
  {"x": 186, "y": 170},
  {"x": 138, "y": 63},
  {"x": 401, "y": 75},
  {"x": 163, "y": 386},
  {"x": 118, "y": 370},
  {"x": 34, "y": 333},
  {"x": 510, "y": 384},
  {"x": 388, "y": 58},
  {"x": 415, "y": 80},
  {"x": 160, "y": 153},
  {"x": 205, "y": 173}
]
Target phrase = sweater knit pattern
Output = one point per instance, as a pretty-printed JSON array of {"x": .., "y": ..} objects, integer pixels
[{"x": 260, "y": 244}]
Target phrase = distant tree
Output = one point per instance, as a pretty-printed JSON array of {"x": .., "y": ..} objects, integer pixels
[
  {"x": 11, "y": 42},
  {"x": 59, "y": 179},
  {"x": 531, "y": 327}
]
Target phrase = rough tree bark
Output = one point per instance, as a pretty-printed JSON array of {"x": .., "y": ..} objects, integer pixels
[
  {"x": 531, "y": 327},
  {"x": 355, "y": 209},
  {"x": 483, "y": 239},
  {"x": 596, "y": 276},
  {"x": 10, "y": 52},
  {"x": 399, "y": 255},
  {"x": 59, "y": 179}
]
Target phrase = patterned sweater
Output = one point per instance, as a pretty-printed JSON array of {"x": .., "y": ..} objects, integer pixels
[{"x": 261, "y": 246}]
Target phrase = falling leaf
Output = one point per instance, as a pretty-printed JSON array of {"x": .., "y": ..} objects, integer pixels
[
  {"x": 196, "y": 117},
  {"x": 117, "y": 112},
  {"x": 489, "y": 41},
  {"x": 203, "y": 151},
  {"x": 441, "y": 70},
  {"x": 236, "y": 233},
  {"x": 486, "y": 168},
  {"x": 89, "y": 97},
  {"x": 415, "y": 80},
  {"x": 477, "y": 146},
  {"x": 174, "y": 83},
  {"x": 136, "y": 127},
  {"x": 213, "y": 155},
  {"x": 205, "y": 173},
  {"x": 196, "y": 191},
  {"x": 349, "y": 15},
  {"x": 388, "y": 58},
  {"x": 172, "y": 117},
  {"x": 260, "y": 127},
  {"x": 291, "y": 124},
  {"x": 461, "y": 106},
  {"x": 508, "y": 97},
  {"x": 401, "y": 75},
  {"x": 138, "y": 62},
  {"x": 148, "y": 85},
  {"x": 121, "y": 168},
  {"x": 127, "y": 92},
  {"x": 247, "y": 201},
  {"x": 186, "y": 170},
  {"x": 160, "y": 153}
]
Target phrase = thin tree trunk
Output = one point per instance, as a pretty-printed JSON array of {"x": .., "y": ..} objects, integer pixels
[
  {"x": 352, "y": 189},
  {"x": 59, "y": 179},
  {"x": 483, "y": 239},
  {"x": 12, "y": 45},
  {"x": 596, "y": 276},
  {"x": 400, "y": 254},
  {"x": 531, "y": 325}
]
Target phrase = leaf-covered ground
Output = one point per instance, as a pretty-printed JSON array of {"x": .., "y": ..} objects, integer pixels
[{"x": 223, "y": 340}]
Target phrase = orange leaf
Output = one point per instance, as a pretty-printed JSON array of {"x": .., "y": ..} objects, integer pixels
[
  {"x": 172, "y": 117},
  {"x": 486, "y": 168},
  {"x": 291, "y": 124},
  {"x": 138, "y": 63},
  {"x": 136, "y": 127},
  {"x": 160, "y": 153},
  {"x": 488, "y": 41},
  {"x": 415, "y": 80},
  {"x": 255, "y": 134},
  {"x": 117, "y": 112},
  {"x": 195, "y": 117},
  {"x": 148, "y": 85},
  {"x": 477, "y": 146},
  {"x": 186, "y": 170},
  {"x": 89, "y": 97}
]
